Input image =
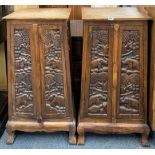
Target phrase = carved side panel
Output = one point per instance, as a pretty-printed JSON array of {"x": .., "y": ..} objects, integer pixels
[
  {"x": 99, "y": 79},
  {"x": 130, "y": 97},
  {"x": 53, "y": 73},
  {"x": 23, "y": 72}
]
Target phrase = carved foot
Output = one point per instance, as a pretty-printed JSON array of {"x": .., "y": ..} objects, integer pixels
[
  {"x": 81, "y": 138},
  {"x": 11, "y": 137},
  {"x": 145, "y": 139},
  {"x": 72, "y": 138},
  {"x": 72, "y": 133}
]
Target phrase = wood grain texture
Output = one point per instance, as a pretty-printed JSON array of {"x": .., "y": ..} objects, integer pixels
[
  {"x": 21, "y": 7},
  {"x": 75, "y": 9},
  {"x": 121, "y": 13},
  {"x": 40, "y": 13}
]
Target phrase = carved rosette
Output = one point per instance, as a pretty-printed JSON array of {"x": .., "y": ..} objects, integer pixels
[
  {"x": 130, "y": 72},
  {"x": 98, "y": 87},
  {"x": 54, "y": 78},
  {"x": 23, "y": 71}
]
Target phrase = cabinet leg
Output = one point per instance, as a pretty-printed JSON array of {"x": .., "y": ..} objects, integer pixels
[
  {"x": 81, "y": 138},
  {"x": 145, "y": 139},
  {"x": 72, "y": 138},
  {"x": 72, "y": 134},
  {"x": 11, "y": 136}
]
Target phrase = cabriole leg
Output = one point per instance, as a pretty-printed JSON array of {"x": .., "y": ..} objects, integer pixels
[
  {"x": 81, "y": 138},
  {"x": 11, "y": 136},
  {"x": 72, "y": 134}
]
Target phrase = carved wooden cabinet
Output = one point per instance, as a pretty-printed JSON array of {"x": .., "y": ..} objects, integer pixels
[
  {"x": 114, "y": 72},
  {"x": 39, "y": 82}
]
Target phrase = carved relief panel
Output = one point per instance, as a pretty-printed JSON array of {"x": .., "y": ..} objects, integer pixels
[
  {"x": 52, "y": 77},
  {"x": 22, "y": 61},
  {"x": 131, "y": 97},
  {"x": 52, "y": 69},
  {"x": 99, "y": 91}
]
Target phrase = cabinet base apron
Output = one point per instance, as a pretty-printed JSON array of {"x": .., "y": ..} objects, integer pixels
[
  {"x": 33, "y": 126},
  {"x": 121, "y": 128}
]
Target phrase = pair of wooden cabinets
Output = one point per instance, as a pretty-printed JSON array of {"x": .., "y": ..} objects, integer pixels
[{"x": 114, "y": 72}]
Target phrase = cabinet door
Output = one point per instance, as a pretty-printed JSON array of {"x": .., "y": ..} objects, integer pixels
[
  {"x": 131, "y": 75},
  {"x": 20, "y": 69},
  {"x": 97, "y": 71},
  {"x": 53, "y": 71}
]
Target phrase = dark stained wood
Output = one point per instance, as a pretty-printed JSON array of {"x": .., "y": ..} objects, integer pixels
[
  {"x": 39, "y": 82},
  {"x": 114, "y": 75}
]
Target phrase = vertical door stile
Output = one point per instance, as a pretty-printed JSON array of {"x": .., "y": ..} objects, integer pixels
[
  {"x": 66, "y": 66},
  {"x": 41, "y": 42},
  {"x": 36, "y": 77},
  {"x": 88, "y": 66},
  {"x": 115, "y": 70},
  {"x": 9, "y": 71},
  {"x": 83, "y": 76},
  {"x": 145, "y": 59}
]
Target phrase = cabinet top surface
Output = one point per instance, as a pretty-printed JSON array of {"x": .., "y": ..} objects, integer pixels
[
  {"x": 40, "y": 13},
  {"x": 121, "y": 13}
]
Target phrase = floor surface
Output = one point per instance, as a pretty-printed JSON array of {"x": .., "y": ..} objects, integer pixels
[{"x": 60, "y": 141}]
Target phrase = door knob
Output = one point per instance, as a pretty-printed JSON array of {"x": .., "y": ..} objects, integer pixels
[{"x": 39, "y": 119}]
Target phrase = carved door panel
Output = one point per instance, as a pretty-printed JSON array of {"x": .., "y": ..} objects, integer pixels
[
  {"x": 99, "y": 71},
  {"x": 52, "y": 71},
  {"x": 131, "y": 79},
  {"x": 21, "y": 59}
]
